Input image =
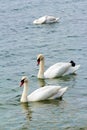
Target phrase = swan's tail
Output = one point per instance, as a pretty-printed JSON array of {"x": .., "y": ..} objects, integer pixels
[
  {"x": 76, "y": 68},
  {"x": 60, "y": 93}
]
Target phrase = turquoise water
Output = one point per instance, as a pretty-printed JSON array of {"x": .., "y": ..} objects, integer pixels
[{"x": 21, "y": 41}]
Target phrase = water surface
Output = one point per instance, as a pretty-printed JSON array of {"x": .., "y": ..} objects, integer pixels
[{"x": 21, "y": 41}]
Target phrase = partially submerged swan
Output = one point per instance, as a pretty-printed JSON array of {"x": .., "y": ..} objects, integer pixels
[
  {"x": 46, "y": 19},
  {"x": 56, "y": 70},
  {"x": 44, "y": 93}
]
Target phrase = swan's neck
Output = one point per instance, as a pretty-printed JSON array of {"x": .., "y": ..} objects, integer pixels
[
  {"x": 41, "y": 69},
  {"x": 25, "y": 93}
]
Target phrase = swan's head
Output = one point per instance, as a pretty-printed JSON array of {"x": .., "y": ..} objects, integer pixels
[
  {"x": 40, "y": 57},
  {"x": 24, "y": 79},
  {"x": 36, "y": 21}
]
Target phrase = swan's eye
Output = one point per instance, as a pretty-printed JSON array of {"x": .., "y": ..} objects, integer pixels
[{"x": 38, "y": 61}]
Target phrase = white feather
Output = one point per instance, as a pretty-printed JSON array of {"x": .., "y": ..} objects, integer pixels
[
  {"x": 44, "y": 93},
  {"x": 56, "y": 70},
  {"x": 46, "y": 19}
]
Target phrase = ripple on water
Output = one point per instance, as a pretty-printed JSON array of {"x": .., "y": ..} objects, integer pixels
[{"x": 21, "y": 41}]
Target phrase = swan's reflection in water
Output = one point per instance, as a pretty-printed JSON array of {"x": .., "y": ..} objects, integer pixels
[
  {"x": 47, "y": 103},
  {"x": 32, "y": 107},
  {"x": 27, "y": 110},
  {"x": 41, "y": 82},
  {"x": 67, "y": 79}
]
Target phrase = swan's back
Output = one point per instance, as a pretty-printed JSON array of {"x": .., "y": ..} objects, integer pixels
[
  {"x": 51, "y": 19},
  {"x": 40, "y": 20},
  {"x": 56, "y": 70},
  {"x": 46, "y": 19}
]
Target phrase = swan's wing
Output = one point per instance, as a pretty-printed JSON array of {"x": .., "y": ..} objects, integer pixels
[
  {"x": 60, "y": 93},
  {"x": 56, "y": 70},
  {"x": 40, "y": 20},
  {"x": 51, "y": 19},
  {"x": 43, "y": 93}
]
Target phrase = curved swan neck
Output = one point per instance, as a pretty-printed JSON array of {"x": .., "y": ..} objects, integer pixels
[
  {"x": 25, "y": 93},
  {"x": 41, "y": 69}
]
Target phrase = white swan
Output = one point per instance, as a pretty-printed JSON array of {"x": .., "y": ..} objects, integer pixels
[
  {"x": 46, "y": 19},
  {"x": 56, "y": 70},
  {"x": 44, "y": 93}
]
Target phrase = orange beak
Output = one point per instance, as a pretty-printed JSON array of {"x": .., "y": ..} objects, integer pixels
[
  {"x": 38, "y": 61},
  {"x": 21, "y": 83}
]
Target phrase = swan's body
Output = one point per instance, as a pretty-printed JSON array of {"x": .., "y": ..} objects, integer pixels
[
  {"x": 56, "y": 70},
  {"x": 44, "y": 93},
  {"x": 46, "y": 19}
]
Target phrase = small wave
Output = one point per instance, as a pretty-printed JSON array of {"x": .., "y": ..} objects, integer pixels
[
  {"x": 72, "y": 36},
  {"x": 74, "y": 49}
]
